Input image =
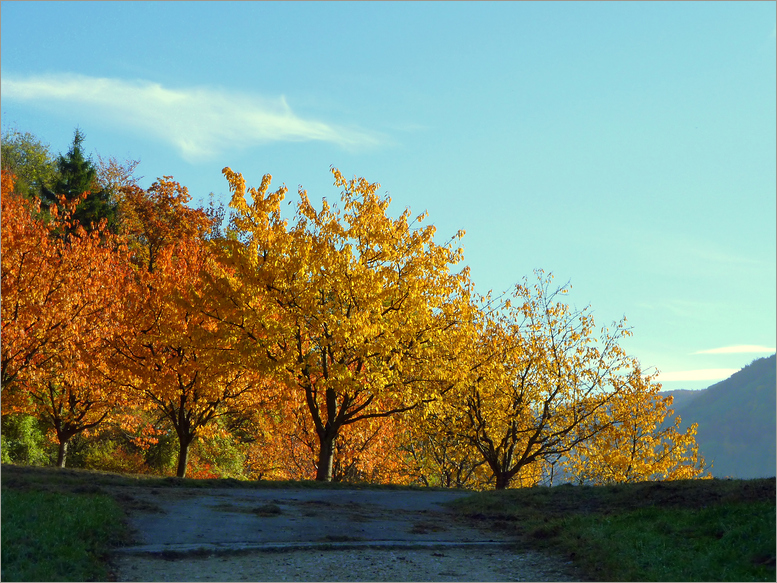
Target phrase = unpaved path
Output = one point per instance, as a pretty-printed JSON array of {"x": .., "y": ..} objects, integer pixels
[{"x": 316, "y": 535}]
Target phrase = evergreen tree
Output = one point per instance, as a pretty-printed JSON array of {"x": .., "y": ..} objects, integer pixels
[{"x": 77, "y": 174}]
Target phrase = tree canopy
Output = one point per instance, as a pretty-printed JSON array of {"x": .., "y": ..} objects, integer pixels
[{"x": 341, "y": 343}]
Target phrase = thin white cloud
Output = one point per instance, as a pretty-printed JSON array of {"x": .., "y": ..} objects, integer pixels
[
  {"x": 739, "y": 349},
  {"x": 199, "y": 121},
  {"x": 707, "y": 374}
]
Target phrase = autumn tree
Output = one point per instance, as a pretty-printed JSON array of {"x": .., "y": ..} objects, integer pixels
[
  {"x": 158, "y": 218},
  {"x": 59, "y": 306},
  {"x": 538, "y": 383},
  {"x": 173, "y": 357},
  {"x": 115, "y": 177},
  {"x": 638, "y": 445},
  {"x": 363, "y": 302}
]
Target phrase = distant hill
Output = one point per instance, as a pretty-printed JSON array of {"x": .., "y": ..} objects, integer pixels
[
  {"x": 737, "y": 421},
  {"x": 682, "y": 396}
]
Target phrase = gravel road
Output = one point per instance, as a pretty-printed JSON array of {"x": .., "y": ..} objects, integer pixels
[{"x": 316, "y": 535}]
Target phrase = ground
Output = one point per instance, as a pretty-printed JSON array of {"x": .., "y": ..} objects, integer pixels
[{"x": 185, "y": 534}]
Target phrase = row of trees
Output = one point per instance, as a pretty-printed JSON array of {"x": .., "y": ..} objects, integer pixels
[{"x": 341, "y": 343}]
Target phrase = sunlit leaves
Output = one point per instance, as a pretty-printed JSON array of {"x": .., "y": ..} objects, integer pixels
[
  {"x": 175, "y": 355},
  {"x": 639, "y": 444},
  {"x": 362, "y": 300},
  {"x": 541, "y": 382},
  {"x": 60, "y": 305},
  {"x": 342, "y": 343}
]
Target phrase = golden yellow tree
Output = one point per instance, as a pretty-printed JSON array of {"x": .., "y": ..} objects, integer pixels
[
  {"x": 538, "y": 383},
  {"x": 639, "y": 445},
  {"x": 364, "y": 302}
]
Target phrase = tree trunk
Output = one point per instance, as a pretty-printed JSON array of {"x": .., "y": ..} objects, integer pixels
[
  {"x": 502, "y": 480},
  {"x": 183, "y": 455},
  {"x": 326, "y": 456},
  {"x": 62, "y": 454}
]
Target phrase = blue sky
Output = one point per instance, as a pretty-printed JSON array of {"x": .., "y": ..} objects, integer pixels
[{"x": 628, "y": 148}]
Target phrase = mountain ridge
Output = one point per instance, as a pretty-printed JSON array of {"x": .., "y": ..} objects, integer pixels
[{"x": 737, "y": 420}]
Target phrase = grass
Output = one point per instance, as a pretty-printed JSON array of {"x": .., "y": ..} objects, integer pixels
[
  {"x": 49, "y": 536},
  {"x": 694, "y": 530}
]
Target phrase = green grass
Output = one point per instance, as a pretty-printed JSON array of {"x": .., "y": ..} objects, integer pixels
[
  {"x": 694, "y": 530},
  {"x": 729, "y": 542},
  {"x": 50, "y": 536}
]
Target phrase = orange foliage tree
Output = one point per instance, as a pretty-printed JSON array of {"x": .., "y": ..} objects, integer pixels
[
  {"x": 58, "y": 312},
  {"x": 173, "y": 357}
]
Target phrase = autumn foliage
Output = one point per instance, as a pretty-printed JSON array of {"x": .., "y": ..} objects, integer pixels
[
  {"x": 60, "y": 302},
  {"x": 339, "y": 343}
]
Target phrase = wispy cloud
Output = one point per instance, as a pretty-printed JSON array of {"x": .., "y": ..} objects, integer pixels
[
  {"x": 198, "y": 121},
  {"x": 707, "y": 374},
  {"x": 739, "y": 349}
]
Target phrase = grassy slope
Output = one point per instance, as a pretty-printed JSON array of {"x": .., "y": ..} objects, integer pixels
[
  {"x": 695, "y": 530},
  {"x": 51, "y": 536}
]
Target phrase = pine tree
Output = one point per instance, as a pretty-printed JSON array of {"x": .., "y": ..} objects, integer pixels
[{"x": 77, "y": 174}]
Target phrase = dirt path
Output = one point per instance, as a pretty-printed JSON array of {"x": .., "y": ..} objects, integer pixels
[{"x": 315, "y": 535}]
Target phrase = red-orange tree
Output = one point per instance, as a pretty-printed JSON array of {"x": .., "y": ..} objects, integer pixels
[
  {"x": 59, "y": 308},
  {"x": 363, "y": 302},
  {"x": 174, "y": 357}
]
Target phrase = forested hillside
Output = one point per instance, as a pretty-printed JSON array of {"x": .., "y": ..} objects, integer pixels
[{"x": 736, "y": 418}]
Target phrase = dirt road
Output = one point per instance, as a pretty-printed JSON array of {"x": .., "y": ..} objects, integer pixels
[{"x": 316, "y": 535}]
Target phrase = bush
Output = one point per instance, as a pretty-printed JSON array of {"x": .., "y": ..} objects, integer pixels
[{"x": 24, "y": 441}]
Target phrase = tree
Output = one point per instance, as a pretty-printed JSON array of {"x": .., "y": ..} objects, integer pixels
[
  {"x": 77, "y": 175},
  {"x": 539, "y": 383},
  {"x": 29, "y": 160},
  {"x": 363, "y": 303},
  {"x": 637, "y": 446},
  {"x": 114, "y": 177},
  {"x": 435, "y": 454},
  {"x": 173, "y": 357},
  {"x": 59, "y": 306},
  {"x": 157, "y": 218},
  {"x": 30, "y": 287}
]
